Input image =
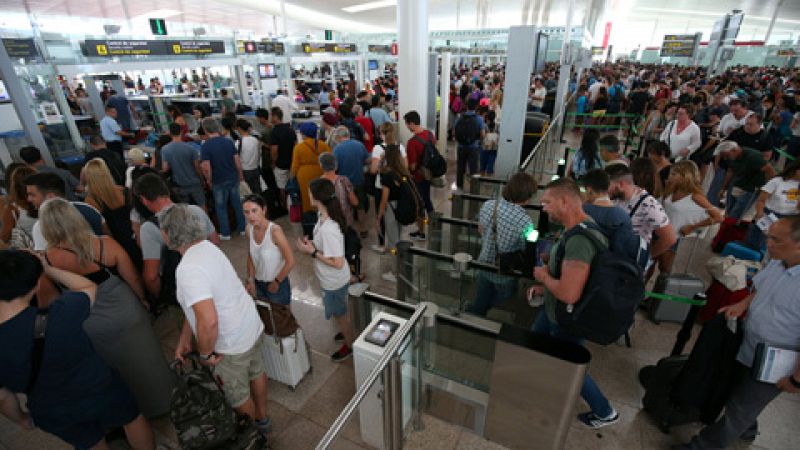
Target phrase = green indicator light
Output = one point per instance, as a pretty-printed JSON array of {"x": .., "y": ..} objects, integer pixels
[{"x": 530, "y": 233}]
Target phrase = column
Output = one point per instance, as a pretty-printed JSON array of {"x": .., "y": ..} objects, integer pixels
[
  {"x": 444, "y": 94},
  {"x": 433, "y": 77},
  {"x": 521, "y": 56},
  {"x": 772, "y": 21},
  {"x": 564, "y": 73},
  {"x": 412, "y": 60},
  {"x": 241, "y": 84},
  {"x": 19, "y": 99}
]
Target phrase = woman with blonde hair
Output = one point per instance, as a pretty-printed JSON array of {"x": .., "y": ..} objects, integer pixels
[
  {"x": 112, "y": 202},
  {"x": 686, "y": 206},
  {"x": 118, "y": 325},
  {"x": 19, "y": 215}
]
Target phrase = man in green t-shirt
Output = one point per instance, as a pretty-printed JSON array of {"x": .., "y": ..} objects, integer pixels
[
  {"x": 747, "y": 172},
  {"x": 228, "y": 105},
  {"x": 563, "y": 204}
]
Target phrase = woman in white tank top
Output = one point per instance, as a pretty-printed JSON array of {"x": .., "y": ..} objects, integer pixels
[
  {"x": 270, "y": 258},
  {"x": 686, "y": 206}
]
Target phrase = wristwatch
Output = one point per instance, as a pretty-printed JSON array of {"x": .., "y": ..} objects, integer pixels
[
  {"x": 314, "y": 253},
  {"x": 794, "y": 382}
]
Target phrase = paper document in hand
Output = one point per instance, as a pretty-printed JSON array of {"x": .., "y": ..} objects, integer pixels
[{"x": 773, "y": 363}]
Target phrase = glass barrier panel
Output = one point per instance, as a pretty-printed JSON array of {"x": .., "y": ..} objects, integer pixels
[{"x": 458, "y": 354}]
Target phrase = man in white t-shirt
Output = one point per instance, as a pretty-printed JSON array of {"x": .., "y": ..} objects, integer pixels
[
  {"x": 286, "y": 104},
  {"x": 734, "y": 119},
  {"x": 220, "y": 314},
  {"x": 538, "y": 95}
]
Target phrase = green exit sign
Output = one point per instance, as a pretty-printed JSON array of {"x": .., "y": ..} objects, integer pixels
[
  {"x": 158, "y": 27},
  {"x": 328, "y": 35}
]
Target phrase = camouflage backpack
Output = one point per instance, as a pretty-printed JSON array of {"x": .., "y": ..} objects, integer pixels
[{"x": 201, "y": 415}]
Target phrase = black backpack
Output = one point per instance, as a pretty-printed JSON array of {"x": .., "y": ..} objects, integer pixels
[
  {"x": 409, "y": 203},
  {"x": 467, "y": 130},
  {"x": 610, "y": 297},
  {"x": 169, "y": 264},
  {"x": 432, "y": 161}
]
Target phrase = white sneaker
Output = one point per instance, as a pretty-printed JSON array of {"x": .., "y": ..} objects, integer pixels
[
  {"x": 223, "y": 237},
  {"x": 242, "y": 233},
  {"x": 379, "y": 249},
  {"x": 390, "y": 277}
]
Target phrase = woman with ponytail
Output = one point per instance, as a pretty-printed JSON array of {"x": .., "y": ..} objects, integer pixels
[{"x": 330, "y": 266}]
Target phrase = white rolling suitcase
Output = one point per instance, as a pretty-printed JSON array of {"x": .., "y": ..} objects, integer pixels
[{"x": 286, "y": 358}]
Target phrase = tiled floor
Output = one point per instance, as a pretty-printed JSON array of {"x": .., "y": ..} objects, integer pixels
[{"x": 301, "y": 417}]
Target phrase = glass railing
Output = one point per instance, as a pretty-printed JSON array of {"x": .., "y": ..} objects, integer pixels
[
  {"x": 386, "y": 405},
  {"x": 459, "y": 285},
  {"x": 467, "y": 206},
  {"x": 432, "y": 353}
]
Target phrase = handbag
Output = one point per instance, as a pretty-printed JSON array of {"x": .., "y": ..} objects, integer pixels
[
  {"x": 20, "y": 239},
  {"x": 296, "y": 213},
  {"x": 506, "y": 262},
  {"x": 278, "y": 319}
]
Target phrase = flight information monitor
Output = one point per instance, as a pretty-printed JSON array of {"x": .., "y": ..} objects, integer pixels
[{"x": 679, "y": 45}]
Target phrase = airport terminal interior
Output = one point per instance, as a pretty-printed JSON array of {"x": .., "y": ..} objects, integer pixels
[{"x": 422, "y": 224}]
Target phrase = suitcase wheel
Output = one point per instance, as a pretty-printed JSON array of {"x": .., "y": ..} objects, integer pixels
[{"x": 292, "y": 388}]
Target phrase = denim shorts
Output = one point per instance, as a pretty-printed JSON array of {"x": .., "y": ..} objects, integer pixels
[
  {"x": 335, "y": 301},
  {"x": 283, "y": 296}
]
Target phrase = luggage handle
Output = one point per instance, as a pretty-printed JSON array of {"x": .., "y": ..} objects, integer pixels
[
  {"x": 266, "y": 305},
  {"x": 675, "y": 298}
]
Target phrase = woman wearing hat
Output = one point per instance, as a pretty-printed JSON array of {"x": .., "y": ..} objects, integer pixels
[{"x": 305, "y": 160}]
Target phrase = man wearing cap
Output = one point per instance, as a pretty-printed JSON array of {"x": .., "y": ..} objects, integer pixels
[
  {"x": 747, "y": 172},
  {"x": 282, "y": 141}
]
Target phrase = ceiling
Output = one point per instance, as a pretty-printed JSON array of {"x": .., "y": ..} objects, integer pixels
[{"x": 641, "y": 18}]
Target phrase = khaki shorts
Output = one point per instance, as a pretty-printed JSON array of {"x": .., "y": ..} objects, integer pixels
[{"x": 236, "y": 372}]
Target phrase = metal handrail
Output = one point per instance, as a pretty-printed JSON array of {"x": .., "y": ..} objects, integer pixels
[
  {"x": 373, "y": 376},
  {"x": 542, "y": 141}
]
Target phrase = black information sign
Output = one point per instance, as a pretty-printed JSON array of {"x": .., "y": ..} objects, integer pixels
[
  {"x": 21, "y": 48},
  {"x": 111, "y": 48},
  {"x": 311, "y": 47},
  {"x": 680, "y": 45},
  {"x": 387, "y": 49},
  {"x": 260, "y": 47},
  {"x": 194, "y": 47}
]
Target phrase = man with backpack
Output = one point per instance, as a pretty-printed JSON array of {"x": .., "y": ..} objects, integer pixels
[
  {"x": 469, "y": 131},
  {"x": 159, "y": 264},
  {"x": 565, "y": 279},
  {"x": 647, "y": 215},
  {"x": 421, "y": 143}
]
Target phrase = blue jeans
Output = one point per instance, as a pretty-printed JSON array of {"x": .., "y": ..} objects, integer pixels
[
  {"x": 716, "y": 186},
  {"x": 590, "y": 392},
  {"x": 225, "y": 193},
  {"x": 736, "y": 207},
  {"x": 487, "y": 160},
  {"x": 466, "y": 158},
  {"x": 490, "y": 291},
  {"x": 424, "y": 189}
]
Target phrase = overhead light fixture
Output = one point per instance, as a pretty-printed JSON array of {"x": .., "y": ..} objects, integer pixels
[
  {"x": 160, "y": 14},
  {"x": 369, "y": 6}
]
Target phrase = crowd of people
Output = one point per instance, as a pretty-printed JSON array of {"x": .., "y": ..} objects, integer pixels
[{"x": 137, "y": 233}]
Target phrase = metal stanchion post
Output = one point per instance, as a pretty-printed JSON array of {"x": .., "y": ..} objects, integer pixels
[
  {"x": 435, "y": 235},
  {"x": 396, "y": 404},
  {"x": 404, "y": 269}
]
